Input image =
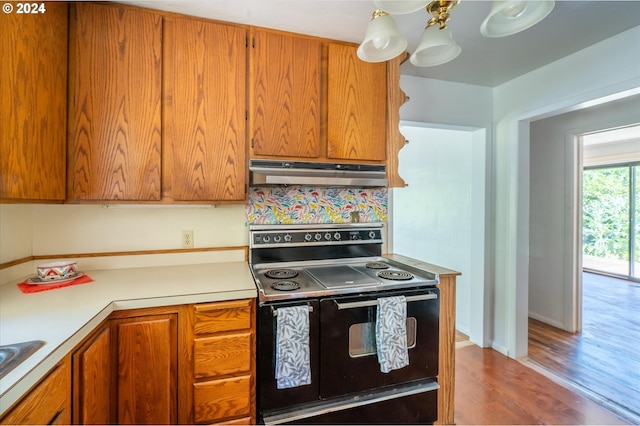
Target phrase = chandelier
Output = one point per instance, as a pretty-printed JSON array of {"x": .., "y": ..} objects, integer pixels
[{"x": 383, "y": 42}]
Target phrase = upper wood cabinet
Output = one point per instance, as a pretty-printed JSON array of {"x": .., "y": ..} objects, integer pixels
[
  {"x": 115, "y": 99},
  {"x": 314, "y": 99},
  {"x": 33, "y": 109},
  {"x": 357, "y": 106},
  {"x": 285, "y": 95},
  {"x": 205, "y": 110}
]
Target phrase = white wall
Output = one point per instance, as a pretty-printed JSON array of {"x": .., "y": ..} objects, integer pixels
[
  {"x": 467, "y": 108},
  {"x": 553, "y": 214},
  {"x": 601, "y": 72},
  {"x": 439, "y": 216},
  {"x": 42, "y": 229},
  {"x": 16, "y": 233},
  {"x": 92, "y": 228}
]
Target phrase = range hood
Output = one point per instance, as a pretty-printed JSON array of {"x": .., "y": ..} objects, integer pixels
[{"x": 274, "y": 172}]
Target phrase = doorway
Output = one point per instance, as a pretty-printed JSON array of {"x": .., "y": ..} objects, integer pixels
[
  {"x": 611, "y": 202},
  {"x": 439, "y": 217}
]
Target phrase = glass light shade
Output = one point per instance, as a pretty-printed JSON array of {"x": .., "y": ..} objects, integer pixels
[
  {"x": 510, "y": 17},
  {"x": 436, "y": 47},
  {"x": 400, "y": 7},
  {"x": 382, "y": 40}
]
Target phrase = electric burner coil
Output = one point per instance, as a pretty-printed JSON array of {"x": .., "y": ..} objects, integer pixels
[
  {"x": 395, "y": 275},
  {"x": 281, "y": 274},
  {"x": 285, "y": 286},
  {"x": 377, "y": 265}
]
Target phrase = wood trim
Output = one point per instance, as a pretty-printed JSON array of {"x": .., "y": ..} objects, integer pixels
[
  {"x": 447, "y": 352},
  {"x": 121, "y": 253},
  {"x": 16, "y": 262},
  {"x": 395, "y": 140}
]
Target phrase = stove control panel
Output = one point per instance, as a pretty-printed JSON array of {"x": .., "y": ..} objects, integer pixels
[{"x": 293, "y": 238}]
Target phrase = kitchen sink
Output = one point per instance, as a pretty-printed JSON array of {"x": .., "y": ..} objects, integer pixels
[{"x": 14, "y": 354}]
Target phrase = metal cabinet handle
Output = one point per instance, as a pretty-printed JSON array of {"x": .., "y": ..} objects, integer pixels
[
  {"x": 275, "y": 311},
  {"x": 374, "y": 302}
]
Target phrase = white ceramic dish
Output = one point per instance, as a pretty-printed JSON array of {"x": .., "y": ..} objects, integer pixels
[
  {"x": 38, "y": 281},
  {"x": 56, "y": 271}
]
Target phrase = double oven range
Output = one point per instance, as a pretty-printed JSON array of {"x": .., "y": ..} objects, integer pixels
[{"x": 338, "y": 273}]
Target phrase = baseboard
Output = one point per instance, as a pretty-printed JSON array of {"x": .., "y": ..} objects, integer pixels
[{"x": 547, "y": 320}]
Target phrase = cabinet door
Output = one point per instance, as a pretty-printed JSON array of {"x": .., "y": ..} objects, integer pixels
[
  {"x": 357, "y": 106},
  {"x": 33, "y": 108},
  {"x": 285, "y": 95},
  {"x": 205, "y": 110},
  {"x": 92, "y": 375},
  {"x": 49, "y": 402},
  {"x": 146, "y": 350},
  {"x": 115, "y": 103}
]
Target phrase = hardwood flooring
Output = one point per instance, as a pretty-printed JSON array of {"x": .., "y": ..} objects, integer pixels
[
  {"x": 494, "y": 389},
  {"x": 604, "y": 359}
]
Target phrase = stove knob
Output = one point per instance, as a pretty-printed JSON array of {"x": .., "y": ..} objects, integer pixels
[
  {"x": 372, "y": 235},
  {"x": 307, "y": 237},
  {"x": 355, "y": 237},
  {"x": 287, "y": 238},
  {"x": 327, "y": 236},
  {"x": 266, "y": 239},
  {"x": 337, "y": 236},
  {"x": 277, "y": 238},
  {"x": 318, "y": 237}
]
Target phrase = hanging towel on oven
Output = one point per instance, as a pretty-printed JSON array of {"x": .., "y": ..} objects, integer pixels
[
  {"x": 391, "y": 333},
  {"x": 293, "y": 366}
]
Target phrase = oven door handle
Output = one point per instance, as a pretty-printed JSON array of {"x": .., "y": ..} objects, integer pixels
[
  {"x": 274, "y": 311},
  {"x": 374, "y": 302}
]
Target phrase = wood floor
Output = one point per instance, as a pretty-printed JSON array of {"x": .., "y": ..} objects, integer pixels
[
  {"x": 604, "y": 359},
  {"x": 492, "y": 389}
]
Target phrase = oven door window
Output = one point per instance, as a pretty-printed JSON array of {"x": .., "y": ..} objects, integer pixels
[{"x": 362, "y": 338}]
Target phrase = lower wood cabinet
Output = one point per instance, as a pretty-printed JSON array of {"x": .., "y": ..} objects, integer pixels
[
  {"x": 224, "y": 362},
  {"x": 49, "y": 402},
  {"x": 181, "y": 364},
  {"x": 92, "y": 373},
  {"x": 146, "y": 364}
]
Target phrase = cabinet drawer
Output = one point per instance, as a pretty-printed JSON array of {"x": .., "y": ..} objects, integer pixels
[
  {"x": 48, "y": 403},
  {"x": 221, "y": 355},
  {"x": 223, "y": 316},
  {"x": 221, "y": 399}
]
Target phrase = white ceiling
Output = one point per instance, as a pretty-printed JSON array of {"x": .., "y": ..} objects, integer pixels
[{"x": 571, "y": 26}]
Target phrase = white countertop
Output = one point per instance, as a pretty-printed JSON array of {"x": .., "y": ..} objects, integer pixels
[{"x": 64, "y": 316}]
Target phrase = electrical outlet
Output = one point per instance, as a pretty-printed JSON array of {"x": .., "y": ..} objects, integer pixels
[{"x": 187, "y": 239}]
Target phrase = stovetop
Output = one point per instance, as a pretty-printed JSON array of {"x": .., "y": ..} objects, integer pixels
[
  {"x": 304, "y": 261},
  {"x": 297, "y": 280}
]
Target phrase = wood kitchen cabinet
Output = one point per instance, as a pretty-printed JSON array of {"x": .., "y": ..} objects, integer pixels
[
  {"x": 146, "y": 361},
  {"x": 49, "y": 402},
  {"x": 314, "y": 99},
  {"x": 357, "y": 106},
  {"x": 285, "y": 97},
  {"x": 224, "y": 362},
  {"x": 92, "y": 375},
  {"x": 115, "y": 103},
  {"x": 33, "y": 108},
  {"x": 205, "y": 110}
]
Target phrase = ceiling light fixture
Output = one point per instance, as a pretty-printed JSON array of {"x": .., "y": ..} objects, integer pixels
[{"x": 383, "y": 42}]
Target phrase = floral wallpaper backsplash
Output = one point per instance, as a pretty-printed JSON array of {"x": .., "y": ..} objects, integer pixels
[{"x": 302, "y": 204}]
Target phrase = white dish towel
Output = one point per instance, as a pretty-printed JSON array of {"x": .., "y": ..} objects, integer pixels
[
  {"x": 293, "y": 366},
  {"x": 391, "y": 333}
]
